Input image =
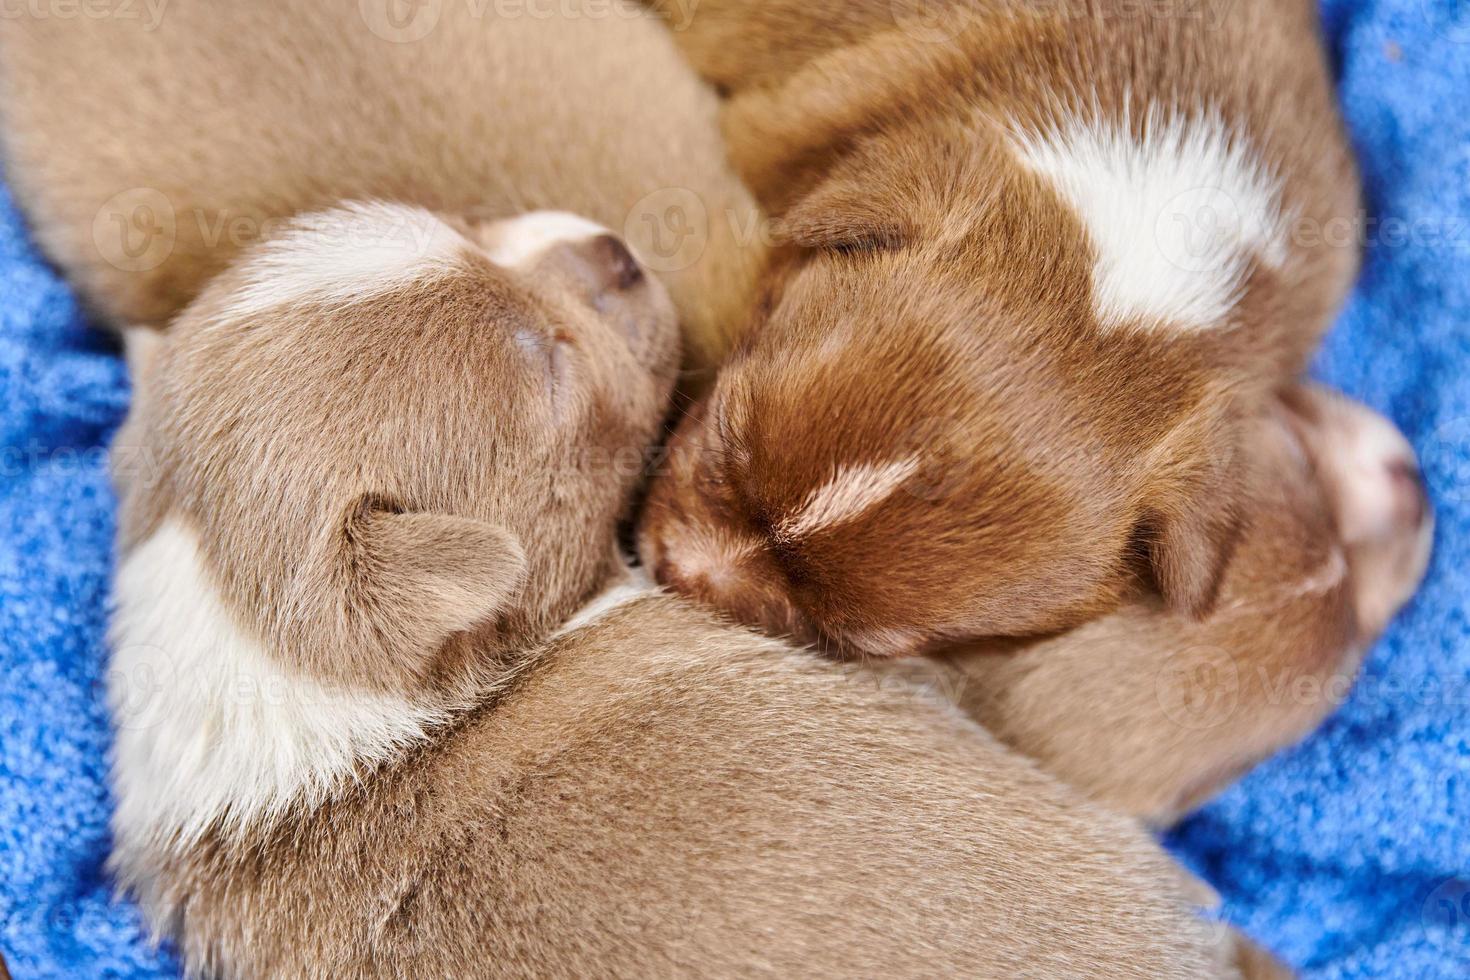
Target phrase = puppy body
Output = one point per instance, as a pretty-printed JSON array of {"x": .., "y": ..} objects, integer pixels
[
  {"x": 1043, "y": 268},
  {"x": 659, "y": 794},
  {"x": 361, "y": 732},
  {"x": 145, "y": 159}
]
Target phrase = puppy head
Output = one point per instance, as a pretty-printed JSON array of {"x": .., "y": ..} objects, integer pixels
[
  {"x": 921, "y": 443},
  {"x": 389, "y": 430},
  {"x": 1153, "y": 713}
]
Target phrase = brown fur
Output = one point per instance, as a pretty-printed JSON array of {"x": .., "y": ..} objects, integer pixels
[
  {"x": 387, "y": 459},
  {"x": 935, "y": 304},
  {"x": 1152, "y": 712},
  {"x": 655, "y": 793},
  {"x": 227, "y": 118}
]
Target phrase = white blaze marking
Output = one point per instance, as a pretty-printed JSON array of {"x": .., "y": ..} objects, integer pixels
[
  {"x": 1175, "y": 218},
  {"x": 347, "y": 255},
  {"x": 853, "y": 490}
]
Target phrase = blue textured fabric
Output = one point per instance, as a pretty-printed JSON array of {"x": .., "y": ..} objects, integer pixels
[{"x": 1349, "y": 855}]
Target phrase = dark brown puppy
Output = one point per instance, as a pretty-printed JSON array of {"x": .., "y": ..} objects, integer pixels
[{"x": 1043, "y": 263}]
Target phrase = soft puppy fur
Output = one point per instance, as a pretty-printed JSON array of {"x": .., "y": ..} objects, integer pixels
[
  {"x": 146, "y": 159},
  {"x": 1044, "y": 263},
  {"x": 1152, "y": 712},
  {"x": 362, "y": 734}
]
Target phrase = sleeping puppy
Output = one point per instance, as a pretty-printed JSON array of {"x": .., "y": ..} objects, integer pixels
[
  {"x": 364, "y": 729},
  {"x": 1151, "y": 712},
  {"x": 145, "y": 160},
  {"x": 1044, "y": 265}
]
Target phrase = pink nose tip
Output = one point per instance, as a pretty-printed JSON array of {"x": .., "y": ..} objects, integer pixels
[
  {"x": 743, "y": 593},
  {"x": 1411, "y": 502}
]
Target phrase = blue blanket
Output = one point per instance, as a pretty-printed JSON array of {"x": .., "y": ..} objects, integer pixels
[{"x": 1349, "y": 856}]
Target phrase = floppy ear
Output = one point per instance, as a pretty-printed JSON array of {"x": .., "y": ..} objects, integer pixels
[
  {"x": 1189, "y": 551},
  {"x": 1193, "y": 515},
  {"x": 412, "y": 579}
]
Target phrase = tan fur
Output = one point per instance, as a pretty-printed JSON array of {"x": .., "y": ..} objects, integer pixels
[
  {"x": 936, "y": 301},
  {"x": 146, "y": 159},
  {"x": 652, "y": 793},
  {"x": 1152, "y": 712},
  {"x": 386, "y": 460}
]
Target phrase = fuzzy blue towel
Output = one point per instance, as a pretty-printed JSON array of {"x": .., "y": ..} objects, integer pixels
[{"x": 1350, "y": 856}]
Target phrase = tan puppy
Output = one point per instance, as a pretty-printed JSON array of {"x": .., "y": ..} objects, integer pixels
[
  {"x": 1046, "y": 258},
  {"x": 1152, "y": 712},
  {"x": 363, "y": 747},
  {"x": 145, "y": 159}
]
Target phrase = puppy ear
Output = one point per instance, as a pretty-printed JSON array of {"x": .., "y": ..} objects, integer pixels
[
  {"x": 1193, "y": 517},
  {"x": 1189, "y": 551},
  {"x": 412, "y": 579}
]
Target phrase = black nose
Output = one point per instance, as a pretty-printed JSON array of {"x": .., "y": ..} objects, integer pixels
[{"x": 614, "y": 264}]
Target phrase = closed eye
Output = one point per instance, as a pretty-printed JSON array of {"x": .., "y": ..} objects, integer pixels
[
  {"x": 551, "y": 355},
  {"x": 867, "y": 243}
]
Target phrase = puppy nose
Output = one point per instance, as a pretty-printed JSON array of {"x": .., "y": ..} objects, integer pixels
[
  {"x": 724, "y": 580},
  {"x": 611, "y": 262},
  {"x": 1410, "y": 500},
  {"x": 1382, "y": 495}
]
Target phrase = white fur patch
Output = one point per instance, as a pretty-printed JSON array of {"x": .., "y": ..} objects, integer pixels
[
  {"x": 633, "y": 583},
  {"x": 210, "y": 730},
  {"x": 849, "y": 493},
  {"x": 519, "y": 240},
  {"x": 1175, "y": 218},
  {"x": 347, "y": 255}
]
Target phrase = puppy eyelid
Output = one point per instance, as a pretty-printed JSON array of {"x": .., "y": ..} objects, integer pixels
[
  {"x": 551, "y": 353},
  {"x": 861, "y": 245}
]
